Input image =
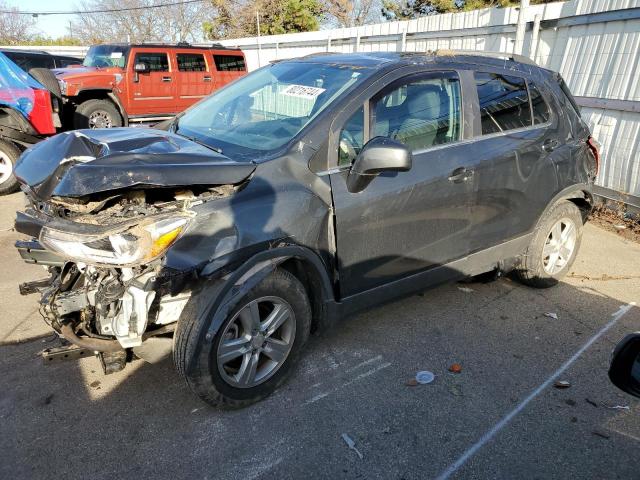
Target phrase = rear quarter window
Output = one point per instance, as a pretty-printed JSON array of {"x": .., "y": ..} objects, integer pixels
[
  {"x": 539, "y": 106},
  {"x": 229, "y": 63},
  {"x": 504, "y": 102}
]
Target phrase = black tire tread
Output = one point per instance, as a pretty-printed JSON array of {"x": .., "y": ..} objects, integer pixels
[
  {"x": 47, "y": 78},
  {"x": 189, "y": 332},
  {"x": 12, "y": 150},
  {"x": 81, "y": 115},
  {"x": 530, "y": 270}
]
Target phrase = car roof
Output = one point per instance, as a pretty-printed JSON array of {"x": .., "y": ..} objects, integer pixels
[
  {"x": 214, "y": 46},
  {"x": 385, "y": 59},
  {"x": 17, "y": 50}
]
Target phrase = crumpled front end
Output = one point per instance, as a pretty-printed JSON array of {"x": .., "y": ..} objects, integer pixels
[
  {"x": 106, "y": 205},
  {"x": 107, "y": 288}
]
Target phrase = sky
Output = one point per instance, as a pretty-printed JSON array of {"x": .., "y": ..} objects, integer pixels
[{"x": 50, "y": 25}]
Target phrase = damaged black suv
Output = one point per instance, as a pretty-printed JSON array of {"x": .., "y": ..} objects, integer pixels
[{"x": 298, "y": 194}]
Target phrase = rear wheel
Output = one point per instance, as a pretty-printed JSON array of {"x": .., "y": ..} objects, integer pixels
[
  {"x": 97, "y": 113},
  {"x": 554, "y": 246},
  {"x": 9, "y": 154},
  {"x": 254, "y": 349}
]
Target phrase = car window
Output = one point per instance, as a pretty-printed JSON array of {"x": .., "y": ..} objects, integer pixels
[
  {"x": 351, "y": 138},
  {"x": 62, "y": 62},
  {"x": 229, "y": 63},
  {"x": 538, "y": 104},
  {"x": 27, "y": 61},
  {"x": 420, "y": 113},
  {"x": 157, "y": 62},
  {"x": 105, "y": 56},
  {"x": 264, "y": 110},
  {"x": 191, "y": 62},
  {"x": 504, "y": 103}
]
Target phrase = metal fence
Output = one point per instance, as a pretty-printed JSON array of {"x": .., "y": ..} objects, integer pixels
[{"x": 594, "y": 44}]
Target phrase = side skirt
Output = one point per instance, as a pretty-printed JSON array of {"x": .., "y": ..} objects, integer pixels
[{"x": 501, "y": 257}]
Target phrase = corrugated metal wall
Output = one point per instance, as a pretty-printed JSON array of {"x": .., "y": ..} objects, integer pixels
[{"x": 594, "y": 44}]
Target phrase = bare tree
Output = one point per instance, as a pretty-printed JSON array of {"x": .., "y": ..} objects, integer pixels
[
  {"x": 165, "y": 24},
  {"x": 352, "y": 13},
  {"x": 15, "y": 29}
]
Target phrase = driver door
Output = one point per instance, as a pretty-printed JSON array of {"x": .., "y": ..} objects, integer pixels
[
  {"x": 154, "y": 91},
  {"x": 404, "y": 223}
]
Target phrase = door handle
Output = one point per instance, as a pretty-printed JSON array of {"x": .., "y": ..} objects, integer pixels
[
  {"x": 207, "y": 78},
  {"x": 166, "y": 79},
  {"x": 460, "y": 175},
  {"x": 550, "y": 144}
]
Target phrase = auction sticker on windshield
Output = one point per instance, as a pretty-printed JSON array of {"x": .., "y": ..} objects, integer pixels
[{"x": 302, "y": 91}]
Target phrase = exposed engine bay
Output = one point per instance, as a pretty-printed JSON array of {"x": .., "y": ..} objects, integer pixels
[{"x": 103, "y": 255}]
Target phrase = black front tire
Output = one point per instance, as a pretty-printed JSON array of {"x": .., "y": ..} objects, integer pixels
[
  {"x": 97, "y": 113},
  {"x": 531, "y": 269},
  {"x": 196, "y": 359},
  {"x": 9, "y": 154}
]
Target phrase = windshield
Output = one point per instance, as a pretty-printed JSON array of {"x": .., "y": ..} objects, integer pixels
[
  {"x": 266, "y": 109},
  {"x": 105, "y": 56}
]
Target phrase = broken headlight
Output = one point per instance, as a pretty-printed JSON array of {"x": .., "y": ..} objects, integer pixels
[{"x": 131, "y": 245}]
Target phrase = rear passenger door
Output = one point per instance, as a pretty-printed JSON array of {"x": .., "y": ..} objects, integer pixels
[
  {"x": 194, "y": 79},
  {"x": 408, "y": 222},
  {"x": 153, "y": 92},
  {"x": 517, "y": 138}
]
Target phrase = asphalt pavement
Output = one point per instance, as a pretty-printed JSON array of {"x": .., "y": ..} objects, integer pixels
[{"x": 500, "y": 418}]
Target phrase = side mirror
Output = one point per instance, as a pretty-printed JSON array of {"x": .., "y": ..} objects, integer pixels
[
  {"x": 380, "y": 154},
  {"x": 624, "y": 371},
  {"x": 141, "y": 68}
]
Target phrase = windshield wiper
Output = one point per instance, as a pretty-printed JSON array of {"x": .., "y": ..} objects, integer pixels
[{"x": 195, "y": 140}]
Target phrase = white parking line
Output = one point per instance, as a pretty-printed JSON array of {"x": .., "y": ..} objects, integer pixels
[
  {"x": 454, "y": 467},
  {"x": 320, "y": 396}
]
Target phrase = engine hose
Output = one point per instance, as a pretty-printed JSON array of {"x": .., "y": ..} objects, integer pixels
[{"x": 96, "y": 344}]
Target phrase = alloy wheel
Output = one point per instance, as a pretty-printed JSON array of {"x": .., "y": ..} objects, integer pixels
[
  {"x": 256, "y": 342},
  {"x": 559, "y": 246},
  {"x": 6, "y": 167},
  {"x": 100, "y": 119}
]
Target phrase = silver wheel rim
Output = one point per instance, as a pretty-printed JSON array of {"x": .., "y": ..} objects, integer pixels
[
  {"x": 559, "y": 246},
  {"x": 6, "y": 167},
  {"x": 100, "y": 119},
  {"x": 256, "y": 342}
]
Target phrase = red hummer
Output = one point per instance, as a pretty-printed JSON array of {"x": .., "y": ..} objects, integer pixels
[{"x": 120, "y": 84}]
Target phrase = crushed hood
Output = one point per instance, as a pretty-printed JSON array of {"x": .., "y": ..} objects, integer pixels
[{"x": 84, "y": 162}]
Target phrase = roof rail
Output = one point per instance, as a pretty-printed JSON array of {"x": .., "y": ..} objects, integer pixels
[{"x": 481, "y": 53}]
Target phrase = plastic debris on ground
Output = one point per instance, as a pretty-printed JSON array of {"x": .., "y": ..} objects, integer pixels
[
  {"x": 425, "y": 377},
  {"x": 351, "y": 444},
  {"x": 551, "y": 315},
  {"x": 562, "y": 384},
  {"x": 618, "y": 407},
  {"x": 455, "y": 368},
  {"x": 456, "y": 390},
  {"x": 466, "y": 289}
]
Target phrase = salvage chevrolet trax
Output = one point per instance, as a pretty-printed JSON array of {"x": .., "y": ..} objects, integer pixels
[{"x": 296, "y": 195}]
